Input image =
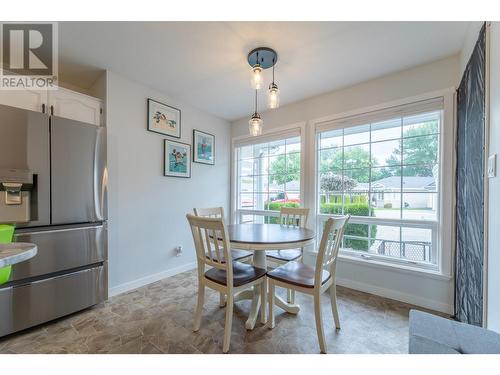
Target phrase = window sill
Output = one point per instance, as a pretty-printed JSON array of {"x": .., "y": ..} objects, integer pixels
[
  {"x": 400, "y": 268},
  {"x": 434, "y": 274}
]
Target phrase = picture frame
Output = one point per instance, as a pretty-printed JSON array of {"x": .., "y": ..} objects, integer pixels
[
  {"x": 203, "y": 147},
  {"x": 164, "y": 119},
  {"x": 176, "y": 159}
]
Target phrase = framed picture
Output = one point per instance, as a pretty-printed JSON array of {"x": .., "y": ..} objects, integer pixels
[
  {"x": 164, "y": 119},
  {"x": 203, "y": 147},
  {"x": 177, "y": 159}
]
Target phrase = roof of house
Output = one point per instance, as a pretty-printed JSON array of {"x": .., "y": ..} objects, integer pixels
[
  {"x": 394, "y": 182},
  {"x": 290, "y": 186}
]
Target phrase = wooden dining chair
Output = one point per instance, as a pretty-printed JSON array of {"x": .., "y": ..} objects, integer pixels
[
  {"x": 238, "y": 255},
  {"x": 292, "y": 217},
  {"x": 310, "y": 280},
  {"x": 229, "y": 278}
]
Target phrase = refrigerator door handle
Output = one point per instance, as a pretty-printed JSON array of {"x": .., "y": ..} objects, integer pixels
[
  {"x": 58, "y": 229},
  {"x": 100, "y": 175}
]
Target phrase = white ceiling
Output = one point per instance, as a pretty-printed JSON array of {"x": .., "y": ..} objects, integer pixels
[{"x": 204, "y": 63}]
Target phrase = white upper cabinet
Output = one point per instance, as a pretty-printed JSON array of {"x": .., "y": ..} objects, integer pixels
[
  {"x": 27, "y": 99},
  {"x": 61, "y": 102},
  {"x": 75, "y": 106}
]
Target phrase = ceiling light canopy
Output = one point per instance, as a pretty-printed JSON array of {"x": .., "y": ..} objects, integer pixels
[{"x": 259, "y": 59}]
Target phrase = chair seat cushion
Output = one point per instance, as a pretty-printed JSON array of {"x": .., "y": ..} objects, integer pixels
[
  {"x": 284, "y": 255},
  {"x": 242, "y": 274},
  {"x": 236, "y": 255},
  {"x": 296, "y": 273}
]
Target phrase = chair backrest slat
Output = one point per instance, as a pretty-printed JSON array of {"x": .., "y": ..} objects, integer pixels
[
  {"x": 330, "y": 245},
  {"x": 294, "y": 217},
  {"x": 215, "y": 236}
]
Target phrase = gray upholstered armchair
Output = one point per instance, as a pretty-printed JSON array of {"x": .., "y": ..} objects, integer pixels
[{"x": 431, "y": 334}]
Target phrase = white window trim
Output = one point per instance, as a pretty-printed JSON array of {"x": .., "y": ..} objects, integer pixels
[
  {"x": 432, "y": 105},
  {"x": 273, "y": 134},
  {"x": 445, "y": 241}
]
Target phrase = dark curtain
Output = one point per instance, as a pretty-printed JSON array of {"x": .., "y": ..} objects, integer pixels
[{"x": 470, "y": 186}]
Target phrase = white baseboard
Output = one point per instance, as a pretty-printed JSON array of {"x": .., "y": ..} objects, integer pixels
[
  {"x": 398, "y": 296},
  {"x": 137, "y": 283}
]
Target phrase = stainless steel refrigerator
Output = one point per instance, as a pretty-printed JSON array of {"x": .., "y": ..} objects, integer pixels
[{"x": 53, "y": 179}]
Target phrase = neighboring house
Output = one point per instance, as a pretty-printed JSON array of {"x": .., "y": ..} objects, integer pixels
[{"x": 415, "y": 192}]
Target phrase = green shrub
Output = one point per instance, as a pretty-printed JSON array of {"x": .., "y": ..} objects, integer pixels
[
  {"x": 358, "y": 230},
  {"x": 388, "y": 205},
  {"x": 337, "y": 198},
  {"x": 275, "y": 206}
]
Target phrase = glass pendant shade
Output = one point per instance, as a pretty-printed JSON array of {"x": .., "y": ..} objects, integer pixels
[
  {"x": 255, "y": 125},
  {"x": 273, "y": 96},
  {"x": 257, "y": 77}
]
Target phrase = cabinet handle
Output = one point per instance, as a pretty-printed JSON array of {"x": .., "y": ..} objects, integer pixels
[
  {"x": 52, "y": 110},
  {"x": 43, "y": 108}
]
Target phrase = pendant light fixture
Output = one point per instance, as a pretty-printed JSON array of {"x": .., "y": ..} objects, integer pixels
[
  {"x": 257, "y": 77},
  {"x": 273, "y": 96},
  {"x": 255, "y": 123},
  {"x": 259, "y": 59}
]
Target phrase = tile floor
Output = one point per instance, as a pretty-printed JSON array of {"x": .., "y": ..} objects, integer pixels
[{"x": 157, "y": 318}]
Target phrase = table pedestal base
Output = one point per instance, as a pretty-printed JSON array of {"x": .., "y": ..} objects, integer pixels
[
  {"x": 259, "y": 260},
  {"x": 256, "y": 301}
]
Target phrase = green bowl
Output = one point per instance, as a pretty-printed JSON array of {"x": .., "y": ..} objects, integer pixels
[
  {"x": 6, "y": 233},
  {"x": 5, "y": 274}
]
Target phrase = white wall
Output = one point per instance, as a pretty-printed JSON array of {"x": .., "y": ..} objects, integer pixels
[
  {"x": 147, "y": 210},
  {"x": 435, "y": 292},
  {"x": 493, "y": 262},
  {"x": 98, "y": 88},
  {"x": 469, "y": 43}
]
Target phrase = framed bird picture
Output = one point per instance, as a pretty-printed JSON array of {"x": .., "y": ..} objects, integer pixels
[
  {"x": 203, "y": 147},
  {"x": 164, "y": 119},
  {"x": 177, "y": 159}
]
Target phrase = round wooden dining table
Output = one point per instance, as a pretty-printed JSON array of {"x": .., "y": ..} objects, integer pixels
[{"x": 261, "y": 237}]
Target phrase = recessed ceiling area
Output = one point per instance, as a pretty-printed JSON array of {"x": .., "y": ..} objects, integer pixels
[{"x": 205, "y": 63}]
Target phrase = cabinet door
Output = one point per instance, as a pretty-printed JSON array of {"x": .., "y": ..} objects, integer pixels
[
  {"x": 75, "y": 106},
  {"x": 26, "y": 99}
]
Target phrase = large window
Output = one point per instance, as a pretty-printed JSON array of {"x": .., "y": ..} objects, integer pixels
[
  {"x": 384, "y": 171},
  {"x": 268, "y": 176}
]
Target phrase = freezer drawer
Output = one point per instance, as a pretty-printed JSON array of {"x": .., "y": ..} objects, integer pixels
[
  {"x": 27, "y": 305},
  {"x": 60, "y": 249}
]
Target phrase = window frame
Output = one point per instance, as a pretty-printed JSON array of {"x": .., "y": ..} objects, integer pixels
[
  {"x": 442, "y": 228},
  {"x": 432, "y": 225},
  {"x": 280, "y": 133}
]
